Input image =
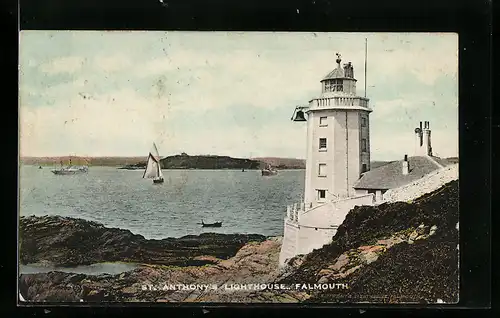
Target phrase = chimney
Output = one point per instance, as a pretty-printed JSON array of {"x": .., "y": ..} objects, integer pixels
[
  {"x": 427, "y": 149},
  {"x": 406, "y": 167},
  {"x": 417, "y": 141}
]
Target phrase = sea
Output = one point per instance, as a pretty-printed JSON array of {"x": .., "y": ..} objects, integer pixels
[{"x": 246, "y": 202}]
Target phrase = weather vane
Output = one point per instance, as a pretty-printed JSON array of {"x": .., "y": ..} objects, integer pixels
[{"x": 338, "y": 59}]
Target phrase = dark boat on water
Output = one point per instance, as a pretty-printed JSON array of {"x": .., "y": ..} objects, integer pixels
[
  {"x": 159, "y": 180},
  {"x": 269, "y": 171},
  {"x": 216, "y": 224}
]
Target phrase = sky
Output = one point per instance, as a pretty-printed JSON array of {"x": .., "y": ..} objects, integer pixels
[{"x": 114, "y": 93}]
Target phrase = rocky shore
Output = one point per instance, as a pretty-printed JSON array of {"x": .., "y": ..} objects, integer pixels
[
  {"x": 254, "y": 263},
  {"x": 391, "y": 253},
  {"x": 63, "y": 241}
]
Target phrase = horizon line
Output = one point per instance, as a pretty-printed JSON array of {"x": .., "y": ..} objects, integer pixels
[
  {"x": 207, "y": 155},
  {"x": 145, "y": 156}
]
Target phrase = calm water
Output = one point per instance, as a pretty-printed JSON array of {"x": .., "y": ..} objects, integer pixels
[
  {"x": 94, "y": 269},
  {"x": 246, "y": 202}
]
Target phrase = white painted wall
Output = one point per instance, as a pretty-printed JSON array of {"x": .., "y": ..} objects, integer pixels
[
  {"x": 333, "y": 213},
  {"x": 426, "y": 184},
  {"x": 311, "y": 238},
  {"x": 361, "y": 191},
  {"x": 289, "y": 243},
  {"x": 317, "y": 226},
  {"x": 344, "y": 156}
]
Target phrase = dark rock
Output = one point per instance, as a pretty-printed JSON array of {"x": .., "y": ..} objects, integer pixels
[
  {"x": 53, "y": 286},
  {"x": 424, "y": 271},
  {"x": 66, "y": 241},
  {"x": 253, "y": 263}
]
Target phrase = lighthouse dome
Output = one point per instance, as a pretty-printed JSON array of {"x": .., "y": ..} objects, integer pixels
[
  {"x": 336, "y": 73},
  {"x": 339, "y": 81},
  {"x": 346, "y": 72}
]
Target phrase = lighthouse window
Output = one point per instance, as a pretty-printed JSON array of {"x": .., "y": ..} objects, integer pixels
[
  {"x": 363, "y": 121},
  {"x": 322, "y": 121},
  {"x": 322, "y": 144},
  {"x": 337, "y": 85},
  {"x": 321, "y": 194},
  {"x": 363, "y": 145},
  {"x": 327, "y": 86},
  {"x": 322, "y": 170}
]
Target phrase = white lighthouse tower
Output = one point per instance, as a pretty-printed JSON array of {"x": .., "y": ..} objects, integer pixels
[
  {"x": 338, "y": 138},
  {"x": 338, "y": 152}
]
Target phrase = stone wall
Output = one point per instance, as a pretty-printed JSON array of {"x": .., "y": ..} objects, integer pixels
[{"x": 428, "y": 183}]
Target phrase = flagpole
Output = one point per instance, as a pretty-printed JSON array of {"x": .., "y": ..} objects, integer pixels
[{"x": 366, "y": 57}]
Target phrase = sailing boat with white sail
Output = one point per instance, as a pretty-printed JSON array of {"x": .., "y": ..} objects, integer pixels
[{"x": 153, "y": 167}]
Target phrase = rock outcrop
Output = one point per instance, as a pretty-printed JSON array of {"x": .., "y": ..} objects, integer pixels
[
  {"x": 391, "y": 253},
  {"x": 64, "y": 241},
  {"x": 254, "y": 263}
]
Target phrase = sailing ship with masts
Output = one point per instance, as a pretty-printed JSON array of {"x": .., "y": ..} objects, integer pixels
[
  {"x": 70, "y": 169},
  {"x": 153, "y": 167}
]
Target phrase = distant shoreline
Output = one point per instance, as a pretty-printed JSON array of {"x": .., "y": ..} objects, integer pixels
[
  {"x": 119, "y": 167},
  {"x": 181, "y": 161},
  {"x": 185, "y": 162}
]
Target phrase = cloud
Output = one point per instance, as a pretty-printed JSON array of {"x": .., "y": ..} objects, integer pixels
[
  {"x": 67, "y": 87},
  {"x": 123, "y": 122},
  {"x": 268, "y": 78},
  {"x": 103, "y": 124},
  {"x": 217, "y": 80},
  {"x": 161, "y": 89},
  {"x": 404, "y": 108},
  {"x": 68, "y": 64},
  {"x": 117, "y": 62},
  {"x": 390, "y": 146},
  {"x": 426, "y": 64}
]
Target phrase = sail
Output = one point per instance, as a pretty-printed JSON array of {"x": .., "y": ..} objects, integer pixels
[
  {"x": 160, "y": 173},
  {"x": 156, "y": 153},
  {"x": 152, "y": 168}
]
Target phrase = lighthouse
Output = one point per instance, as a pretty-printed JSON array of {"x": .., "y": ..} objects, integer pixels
[
  {"x": 338, "y": 136},
  {"x": 338, "y": 175},
  {"x": 338, "y": 153}
]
